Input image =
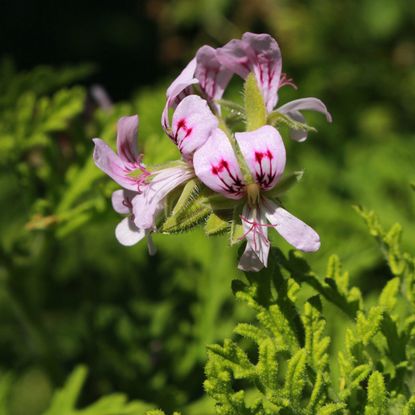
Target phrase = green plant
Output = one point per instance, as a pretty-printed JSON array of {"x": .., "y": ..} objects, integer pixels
[{"x": 284, "y": 363}]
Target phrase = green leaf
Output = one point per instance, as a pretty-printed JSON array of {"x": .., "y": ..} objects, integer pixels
[
  {"x": 388, "y": 298},
  {"x": 267, "y": 366},
  {"x": 295, "y": 377},
  {"x": 64, "y": 400},
  {"x": 410, "y": 407},
  {"x": 366, "y": 328},
  {"x": 115, "y": 404},
  {"x": 233, "y": 358},
  {"x": 376, "y": 395},
  {"x": 277, "y": 323},
  {"x": 359, "y": 374},
  {"x": 331, "y": 409},
  {"x": 316, "y": 344},
  {"x": 251, "y": 332},
  {"x": 349, "y": 302},
  {"x": 317, "y": 393},
  {"x": 255, "y": 111}
]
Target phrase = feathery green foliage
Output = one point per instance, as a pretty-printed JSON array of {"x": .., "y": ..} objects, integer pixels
[{"x": 284, "y": 363}]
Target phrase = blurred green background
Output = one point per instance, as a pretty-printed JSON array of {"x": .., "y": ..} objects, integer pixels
[{"x": 69, "y": 293}]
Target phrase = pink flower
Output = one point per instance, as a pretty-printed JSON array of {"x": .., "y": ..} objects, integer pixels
[
  {"x": 216, "y": 165},
  {"x": 146, "y": 189},
  {"x": 204, "y": 70},
  {"x": 120, "y": 166},
  {"x": 261, "y": 55},
  {"x": 243, "y": 167}
]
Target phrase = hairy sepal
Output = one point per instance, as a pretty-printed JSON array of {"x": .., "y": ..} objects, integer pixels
[
  {"x": 237, "y": 230},
  {"x": 256, "y": 113},
  {"x": 189, "y": 211},
  {"x": 216, "y": 225}
]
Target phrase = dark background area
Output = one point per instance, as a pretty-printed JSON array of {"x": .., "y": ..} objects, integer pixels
[{"x": 122, "y": 41}]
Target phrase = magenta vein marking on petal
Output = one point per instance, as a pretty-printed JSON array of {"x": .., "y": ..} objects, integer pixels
[
  {"x": 180, "y": 124},
  {"x": 128, "y": 153},
  {"x": 264, "y": 179},
  {"x": 229, "y": 187},
  {"x": 270, "y": 74},
  {"x": 256, "y": 228},
  {"x": 214, "y": 78}
]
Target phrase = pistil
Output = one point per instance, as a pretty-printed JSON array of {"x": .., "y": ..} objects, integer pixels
[{"x": 253, "y": 193}]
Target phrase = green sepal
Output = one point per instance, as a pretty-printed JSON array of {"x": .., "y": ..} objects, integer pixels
[
  {"x": 190, "y": 190},
  {"x": 285, "y": 184},
  {"x": 275, "y": 118},
  {"x": 189, "y": 211},
  {"x": 216, "y": 225},
  {"x": 256, "y": 113},
  {"x": 196, "y": 212},
  {"x": 236, "y": 226},
  {"x": 171, "y": 202}
]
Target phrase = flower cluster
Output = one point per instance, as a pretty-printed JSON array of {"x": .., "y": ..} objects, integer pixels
[{"x": 230, "y": 180}]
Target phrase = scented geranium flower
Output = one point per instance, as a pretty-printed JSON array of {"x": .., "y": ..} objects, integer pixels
[
  {"x": 216, "y": 165},
  {"x": 260, "y": 54},
  {"x": 205, "y": 71},
  {"x": 148, "y": 187},
  {"x": 192, "y": 125},
  {"x": 120, "y": 166}
]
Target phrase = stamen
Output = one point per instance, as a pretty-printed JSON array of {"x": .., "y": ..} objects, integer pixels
[
  {"x": 285, "y": 80},
  {"x": 141, "y": 180},
  {"x": 256, "y": 228}
]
